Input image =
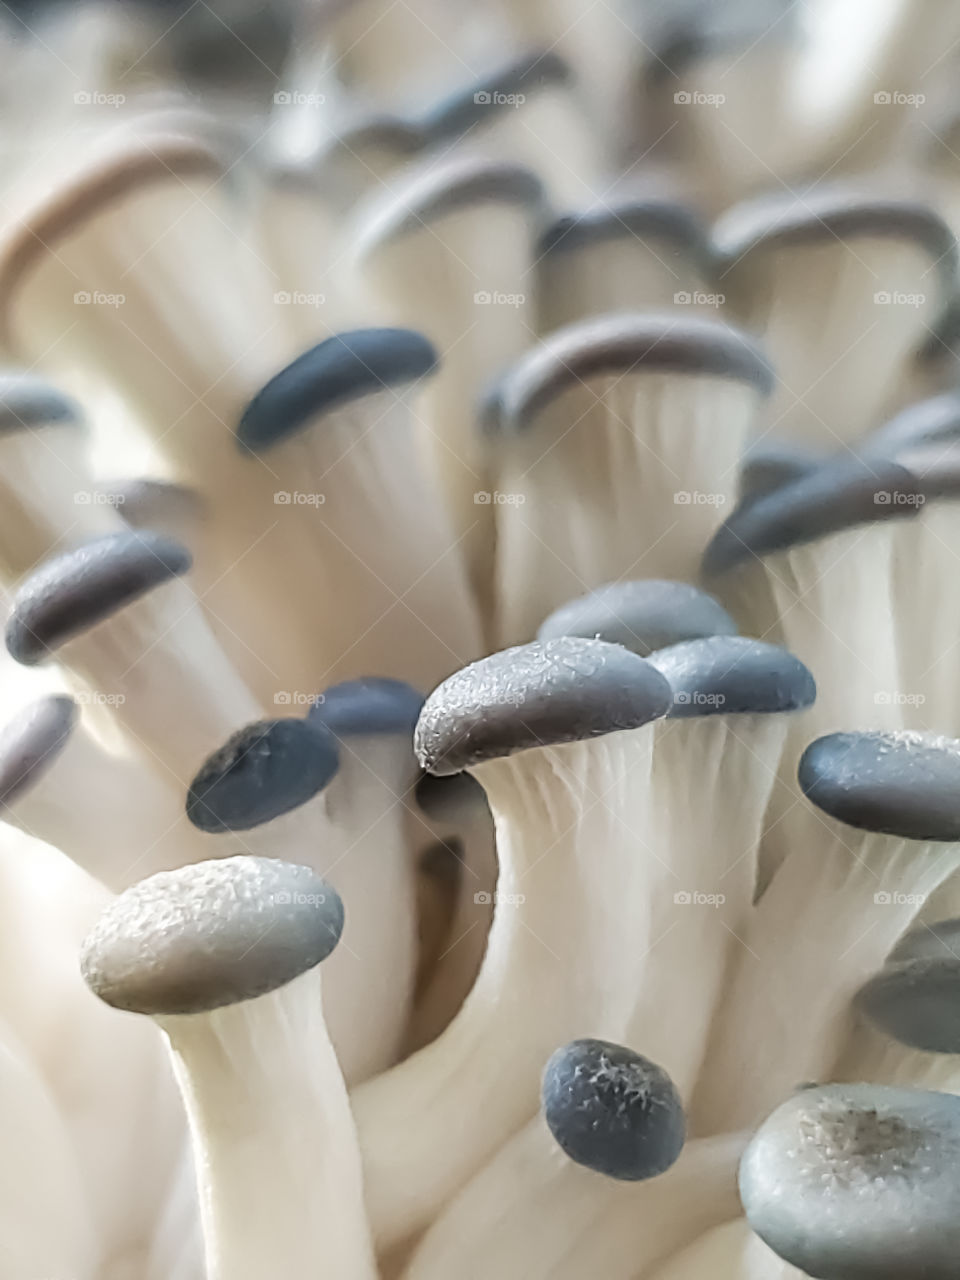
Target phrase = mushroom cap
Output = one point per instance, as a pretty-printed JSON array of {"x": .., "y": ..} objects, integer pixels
[
  {"x": 612, "y": 1110},
  {"x": 734, "y": 675},
  {"x": 478, "y": 101},
  {"x": 769, "y": 465},
  {"x": 211, "y": 934},
  {"x": 639, "y": 219},
  {"x": 642, "y": 616},
  {"x": 622, "y": 344},
  {"x": 916, "y": 1002},
  {"x": 858, "y": 1182},
  {"x": 840, "y": 494},
  {"x": 341, "y": 369},
  {"x": 262, "y": 771},
  {"x": 72, "y": 592},
  {"x": 929, "y": 421},
  {"x": 149, "y": 504},
  {"x": 536, "y": 695},
  {"x": 900, "y": 784},
  {"x": 28, "y": 402},
  {"x": 928, "y": 942},
  {"x": 31, "y": 741},
  {"x": 369, "y": 705}
]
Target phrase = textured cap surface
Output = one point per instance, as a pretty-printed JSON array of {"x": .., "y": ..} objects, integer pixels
[
  {"x": 211, "y": 934},
  {"x": 73, "y": 592},
  {"x": 642, "y": 616},
  {"x": 902, "y": 784},
  {"x": 536, "y": 695}
]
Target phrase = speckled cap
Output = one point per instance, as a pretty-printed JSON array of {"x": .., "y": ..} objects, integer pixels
[
  {"x": 536, "y": 695},
  {"x": 643, "y": 616},
  {"x": 31, "y": 742},
  {"x": 850, "y": 1182},
  {"x": 841, "y": 494},
  {"x": 612, "y": 1110},
  {"x": 901, "y": 784},
  {"x": 617, "y": 345},
  {"x": 734, "y": 675},
  {"x": 73, "y": 592},
  {"x": 261, "y": 772},
  {"x": 337, "y": 371},
  {"x": 209, "y": 935}
]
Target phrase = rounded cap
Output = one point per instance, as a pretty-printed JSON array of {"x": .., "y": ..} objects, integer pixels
[
  {"x": 28, "y": 402},
  {"x": 73, "y": 592},
  {"x": 838, "y": 495},
  {"x": 830, "y": 216},
  {"x": 370, "y": 705},
  {"x": 772, "y": 464},
  {"x": 650, "y": 218},
  {"x": 734, "y": 675},
  {"x": 211, "y": 934},
  {"x": 619, "y": 345},
  {"x": 536, "y": 695},
  {"x": 337, "y": 371},
  {"x": 31, "y": 742},
  {"x": 858, "y": 1182},
  {"x": 493, "y": 93},
  {"x": 900, "y": 784},
  {"x": 262, "y": 771},
  {"x": 642, "y": 616},
  {"x": 940, "y": 941},
  {"x": 916, "y": 1002},
  {"x": 612, "y": 1110}
]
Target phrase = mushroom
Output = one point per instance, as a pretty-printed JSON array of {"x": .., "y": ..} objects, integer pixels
[
  {"x": 224, "y": 957},
  {"x": 858, "y": 1182}
]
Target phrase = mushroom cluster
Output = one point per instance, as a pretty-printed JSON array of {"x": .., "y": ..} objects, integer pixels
[{"x": 480, "y": 700}]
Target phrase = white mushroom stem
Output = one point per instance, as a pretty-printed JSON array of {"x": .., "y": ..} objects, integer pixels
[
  {"x": 833, "y": 910},
  {"x": 280, "y": 1178},
  {"x": 728, "y": 1252},
  {"x": 378, "y": 540},
  {"x": 110, "y": 813},
  {"x": 573, "y": 826},
  {"x": 532, "y": 1214},
  {"x": 46, "y": 1227},
  {"x": 158, "y": 667}
]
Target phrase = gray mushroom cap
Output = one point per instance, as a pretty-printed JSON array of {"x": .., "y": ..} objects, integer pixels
[
  {"x": 492, "y": 93},
  {"x": 839, "y": 495},
  {"x": 734, "y": 675},
  {"x": 536, "y": 695},
  {"x": 858, "y": 1182},
  {"x": 211, "y": 934},
  {"x": 31, "y": 742},
  {"x": 638, "y": 219},
  {"x": 901, "y": 784},
  {"x": 772, "y": 464},
  {"x": 939, "y": 941},
  {"x": 612, "y": 1110},
  {"x": 618, "y": 345},
  {"x": 28, "y": 402},
  {"x": 73, "y": 592},
  {"x": 642, "y": 616},
  {"x": 367, "y": 706},
  {"x": 341, "y": 369},
  {"x": 932, "y": 421},
  {"x": 916, "y": 1002},
  {"x": 262, "y": 771}
]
